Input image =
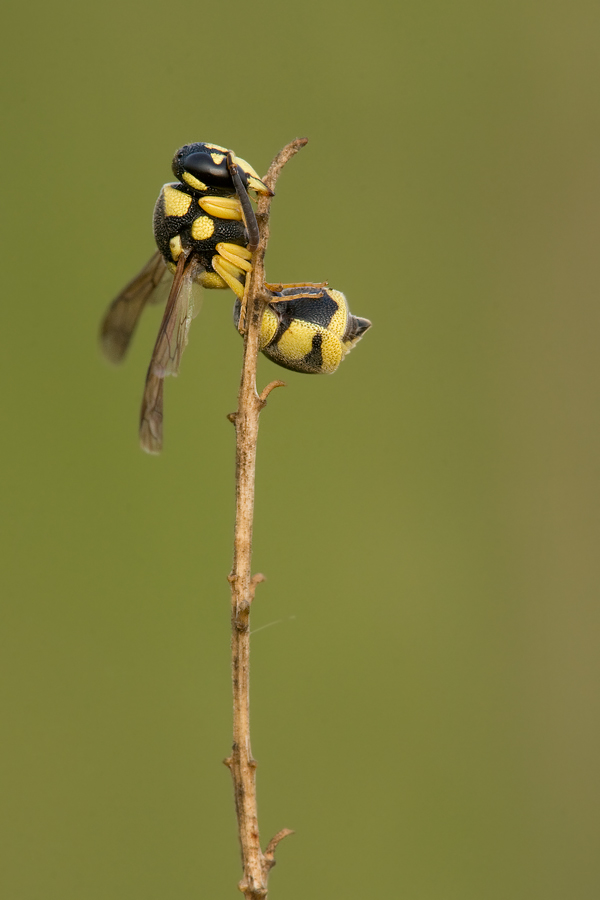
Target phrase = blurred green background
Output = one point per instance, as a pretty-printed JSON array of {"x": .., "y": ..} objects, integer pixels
[{"x": 425, "y": 700}]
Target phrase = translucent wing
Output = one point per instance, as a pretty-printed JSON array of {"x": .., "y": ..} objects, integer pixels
[
  {"x": 152, "y": 414},
  {"x": 170, "y": 344},
  {"x": 123, "y": 313}
]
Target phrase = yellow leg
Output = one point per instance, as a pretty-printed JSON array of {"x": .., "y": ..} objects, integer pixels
[
  {"x": 232, "y": 262},
  {"x": 236, "y": 255},
  {"x": 230, "y": 274},
  {"x": 222, "y": 207},
  {"x": 243, "y": 307}
]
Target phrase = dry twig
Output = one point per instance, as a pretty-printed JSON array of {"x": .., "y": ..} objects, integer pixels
[{"x": 256, "y": 864}]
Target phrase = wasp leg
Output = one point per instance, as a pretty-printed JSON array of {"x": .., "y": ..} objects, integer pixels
[
  {"x": 222, "y": 207},
  {"x": 232, "y": 262},
  {"x": 238, "y": 256},
  {"x": 276, "y": 288},
  {"x": 235, "y": 260},
  {"x": 230, "y": 274},
  {"x": 314, "y": 287},
  {"x": 241, "y": 322}
]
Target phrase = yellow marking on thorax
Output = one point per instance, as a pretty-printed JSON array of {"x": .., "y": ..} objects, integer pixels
[
  {"x": 217, "y": 158},
  {"x": 217, "y": 147},
  {"x": 202, "y": 228},
  {"x": 176, "y": 248},
  {"x": 193, "y": 182},
  {"x": 176, "y": 203}
]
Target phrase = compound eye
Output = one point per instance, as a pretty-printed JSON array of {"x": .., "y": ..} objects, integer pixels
[
  {"x": 203, "y": 167},
  {"x": 177, "y": 165}
]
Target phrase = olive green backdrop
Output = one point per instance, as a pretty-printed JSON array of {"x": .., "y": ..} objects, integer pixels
[{"x": 425, "y": 699}]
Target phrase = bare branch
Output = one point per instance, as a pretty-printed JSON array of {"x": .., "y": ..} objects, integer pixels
[{"x": 256, "y": 864}]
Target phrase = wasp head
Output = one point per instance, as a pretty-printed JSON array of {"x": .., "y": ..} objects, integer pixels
[{"x": 205, "y": 166}]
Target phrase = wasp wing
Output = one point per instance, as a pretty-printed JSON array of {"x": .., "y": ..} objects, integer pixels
[
  {"x": 170, "y": 344},
  {"x": 123, "y": 313},
  {"x": 152, "y": 415}
]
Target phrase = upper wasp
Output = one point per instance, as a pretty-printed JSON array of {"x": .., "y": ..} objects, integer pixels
[{"x": 205, "y": 230}]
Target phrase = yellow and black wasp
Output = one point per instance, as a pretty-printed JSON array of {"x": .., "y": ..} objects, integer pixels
[{"x": 206, "y": 230}]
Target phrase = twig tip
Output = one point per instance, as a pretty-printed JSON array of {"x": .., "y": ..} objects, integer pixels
[
  {"x": 270, "y": 387},
  {"x": 272, "y": 845}
]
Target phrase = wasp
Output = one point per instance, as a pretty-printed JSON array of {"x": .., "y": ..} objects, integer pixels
[
  {"x": 307, "y": 327},
  {"x": 205, "y": 230}
]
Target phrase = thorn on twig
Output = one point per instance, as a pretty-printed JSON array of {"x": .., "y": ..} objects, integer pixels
[
  {"x": 228, "y": 762},
  {"x": 256, "y": 579},
  {"x": 270, "y": 387},
  {"x": 272, "y": 845},
  {"x": 232, "y": 417},
  {"x": 265, "y": 296}
]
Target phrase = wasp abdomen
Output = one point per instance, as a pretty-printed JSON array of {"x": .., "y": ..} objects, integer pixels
[{"x": 308, "y": 330}]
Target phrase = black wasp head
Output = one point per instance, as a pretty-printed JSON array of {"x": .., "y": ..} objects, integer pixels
[
  {"x": 206, "y": 166},
  {"x": 203, "y": 166}
]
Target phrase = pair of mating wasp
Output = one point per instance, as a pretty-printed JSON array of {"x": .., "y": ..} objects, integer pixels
[{"x": 206, "y": 231}]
